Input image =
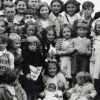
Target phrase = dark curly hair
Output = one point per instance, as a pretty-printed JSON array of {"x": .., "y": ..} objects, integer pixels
[
  {"x": 76, "y": 3},
  {"x": 51, "y": 61},
  {"x": 61, "y": 3}
]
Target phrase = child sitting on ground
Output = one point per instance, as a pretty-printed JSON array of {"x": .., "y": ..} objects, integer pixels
[{"x": 83, "y": 90}]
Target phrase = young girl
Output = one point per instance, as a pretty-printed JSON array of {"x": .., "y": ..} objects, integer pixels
[
  {"x": 49, "y": 40},
  {"x": 21, "y": 6},
  {"x": 11, "y": 88},
  {"x": 28, "y": 16},
  {"x": 28, "y": 30},
  {"x": 53, "y": 74},
  {"x": 62, "y": 47},
  {"x": 3, "y": 27},
  {"x": 43, "y": 12},
  {"x": 32, "y": 68},
  {"x": 94, "y": 61},
  {"x": 83, "y": 90},
  {"x": 55, "y": 16},
  {"x": 71, "y": 9}
]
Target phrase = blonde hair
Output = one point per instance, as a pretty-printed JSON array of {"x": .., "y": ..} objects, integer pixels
[{"x": 83, "y": 75}]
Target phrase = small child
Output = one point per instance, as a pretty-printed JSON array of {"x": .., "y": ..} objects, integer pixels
[
  {"x": 11, "y": 88},
  {"x": 94, "y": 60},
  {"x": 81, "y": 47},
  {"x": 49, "y": 42},
  {"x": 28, "y": 16},
  {"x": 28, "y": 30},
  {"x": 62, "y": 47},
  {"x": 43, "y": 12},
  {"x": 3, "y": 27},
  {"x": 14, "y": 48},
  {"x": 83, "y": 90},
  {"x": 34, "y": 4},
  {"x": 51, "y": 93},
  {"x": 21, "y": 6},
  {"x": 6, "y": 58},
  {"x": 52, "y": 74},
  {"x": 71, "y": 8},
  {"x": 87, "y": 10},
  {"x": 33, "y": 65},
  {"x": 55, "y": 15}
]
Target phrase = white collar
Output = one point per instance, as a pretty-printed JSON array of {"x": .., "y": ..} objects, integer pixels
[
  {"x": 2, "y": 52},
  {"x": 54, "y": 17},
  {"x": 81, "y": 38}
]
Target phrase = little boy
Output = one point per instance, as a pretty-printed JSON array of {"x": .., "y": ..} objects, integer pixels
[
  {"x": 28, "y": 16},
  {"x": 88, "y": 8},
  {"x": 34, "y": 4},
  {"x": 11, "y": 88},
  {"x": 81, "y": 49},
  {"x": 6, "y": 58}
]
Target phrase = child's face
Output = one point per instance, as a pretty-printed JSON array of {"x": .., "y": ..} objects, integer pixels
[
  {"x": 88, "y": 12},
  {"x": 10, "y": 13},
  {"x": 16, "y": 44},
  {"x": 56, "y": 7},
  {"x": 44, "y": 12},
  {"x": 30, "y": 30},
  {"x": 66, "y": 33},
  {"x": 52, "y": 69},
  {"x": 32, "y": 47},
  {"x": 21, "y": 7},
  {"x": 50, "y": 36},
  {"x": 52, "y": 87},
  {"x": 98, "y": 27},
  {"x": 7, "y": 2},
  {"x": 28, "y": 18},
  {"x": 3, "y": 46},
  {"x": 82, "y": 32},
  {"x": 71, "y": 9},
  {"x": 79, "y": 81},
  {"x": 33, "y": 4},
  {"x": 2, "y": 28}
]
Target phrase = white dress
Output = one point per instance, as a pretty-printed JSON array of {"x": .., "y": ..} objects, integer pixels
[
  {"x": 95, "y": 59},
  {"x": 65, "y": 61}
]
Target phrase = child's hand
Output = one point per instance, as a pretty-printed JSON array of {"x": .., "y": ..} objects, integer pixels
[
  {"x": 88, "y": 97},
  {"x": 42, "y": 95},
  {"x": 68, "y": 94},
  {"x": 28, "y": 76}
]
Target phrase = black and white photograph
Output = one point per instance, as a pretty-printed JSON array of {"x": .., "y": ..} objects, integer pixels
[{"x": 49, "y": 50}]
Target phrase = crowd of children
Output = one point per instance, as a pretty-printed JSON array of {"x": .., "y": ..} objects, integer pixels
[{"x": 49, "y": 52}]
